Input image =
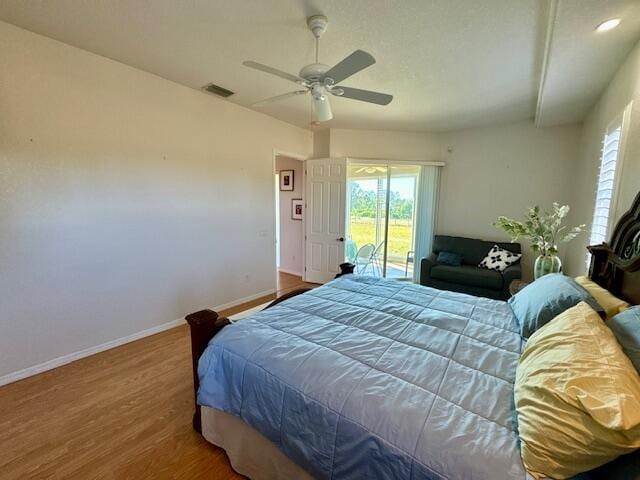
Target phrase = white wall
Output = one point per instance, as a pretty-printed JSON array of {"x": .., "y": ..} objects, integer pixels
[
  {"x": 321, "y": 143},
  {"x": 624, "y": 88},
  {"x": 503, "y": 170},
  {"x": 387, "y": 145},
  {"x": 290, "y": 230},
  {"x": 126, "y": 201}
]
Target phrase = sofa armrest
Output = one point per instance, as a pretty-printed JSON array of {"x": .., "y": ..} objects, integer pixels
[
  {"x": 514, "y": 272},
  {"x": 425, "y": 267}
]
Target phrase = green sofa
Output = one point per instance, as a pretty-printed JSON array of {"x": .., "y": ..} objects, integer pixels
[{"x": 468, "y": 278}]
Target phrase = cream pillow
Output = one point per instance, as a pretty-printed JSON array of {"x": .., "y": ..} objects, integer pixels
[
  {"x": 577, "y": 397},
  {"x": 611, "y": 304}
]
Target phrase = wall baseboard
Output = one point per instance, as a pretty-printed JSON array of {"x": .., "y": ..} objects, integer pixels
[
  {"x": 87, "y": 352},
  {"x": 290, "y": 272},
  {"x": 72, "y": 357},
  {"x": 242, "y": 300}
]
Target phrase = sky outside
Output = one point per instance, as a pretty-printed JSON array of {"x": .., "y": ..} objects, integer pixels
[{"x": 404, "y": 186}]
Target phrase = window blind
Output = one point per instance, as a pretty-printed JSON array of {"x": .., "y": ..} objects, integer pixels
[{"x": 606, "y": 182}]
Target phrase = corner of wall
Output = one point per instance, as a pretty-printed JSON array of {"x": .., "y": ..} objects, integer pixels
[{"x": 321, "y": 143}]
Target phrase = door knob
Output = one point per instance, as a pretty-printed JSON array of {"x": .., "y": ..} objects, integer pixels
[{"x": 341, "y": 239}]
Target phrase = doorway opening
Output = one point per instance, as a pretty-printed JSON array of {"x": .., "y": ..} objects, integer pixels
[{"x": 289, "y": 232}]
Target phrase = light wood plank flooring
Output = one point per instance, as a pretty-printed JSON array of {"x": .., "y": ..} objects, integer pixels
[
  {"x": 287, "y": 283},
  {"x": 121, "y": 414}
]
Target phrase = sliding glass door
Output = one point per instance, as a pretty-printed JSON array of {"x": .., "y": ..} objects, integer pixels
[
  {"x": 381, "y": 200},
  {"x": 403, "y": 182}
]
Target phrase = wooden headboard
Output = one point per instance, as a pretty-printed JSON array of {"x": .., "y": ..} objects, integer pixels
[{"x": 616, "y": 265}]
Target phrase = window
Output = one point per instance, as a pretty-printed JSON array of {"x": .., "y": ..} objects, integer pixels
[
  {"x": 606, "y": 184},
  {"x": 610, "y": 163},
  {"x": 612, "y": 157}
]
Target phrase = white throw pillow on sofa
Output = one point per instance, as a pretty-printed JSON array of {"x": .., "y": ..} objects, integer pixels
[{"x": 499, "y": 259}]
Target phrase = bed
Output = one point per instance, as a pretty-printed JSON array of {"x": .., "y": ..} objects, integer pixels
[{"x": 373, "y": 378}]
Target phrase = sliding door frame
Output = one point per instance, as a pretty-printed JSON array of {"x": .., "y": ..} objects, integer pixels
[{"x": 388, "y": 163}]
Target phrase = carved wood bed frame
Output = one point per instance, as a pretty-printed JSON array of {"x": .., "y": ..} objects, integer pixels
[{"x": 614, "y": 266}]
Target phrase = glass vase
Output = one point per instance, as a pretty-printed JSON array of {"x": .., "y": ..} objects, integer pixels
[{"x": 546, "y": 264}]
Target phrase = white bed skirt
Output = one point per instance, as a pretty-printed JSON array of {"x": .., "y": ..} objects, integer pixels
[{"x": 250, "y": 453}]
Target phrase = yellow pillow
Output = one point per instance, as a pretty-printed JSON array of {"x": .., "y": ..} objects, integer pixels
[
  {"x": 577, "y": 397},
  {"x": 612, "y": 305}
]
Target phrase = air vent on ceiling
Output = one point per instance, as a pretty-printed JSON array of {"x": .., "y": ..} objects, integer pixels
[{"x": 217, "y": 90}]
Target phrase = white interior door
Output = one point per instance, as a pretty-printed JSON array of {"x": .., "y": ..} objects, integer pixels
[{"x": 325, "y": 225}]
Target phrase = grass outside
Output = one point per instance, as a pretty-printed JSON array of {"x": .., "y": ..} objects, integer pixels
[{"x": 400, "y": 237}]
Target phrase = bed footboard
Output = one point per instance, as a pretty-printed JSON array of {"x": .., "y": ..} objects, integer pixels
[{"x": 204, "y": 325}]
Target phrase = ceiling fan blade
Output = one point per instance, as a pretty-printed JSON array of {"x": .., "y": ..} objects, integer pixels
[
  {"x": 279, "y": 97},
  {"x": 273, "y": 71},
  {"x": 358, "y": 60},
  {"x": 322, "y": 108},
  {"x": 363, "y": 95}
]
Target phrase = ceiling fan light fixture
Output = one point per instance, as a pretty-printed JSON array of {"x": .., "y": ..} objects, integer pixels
[
  {"x": 608, "y": 25},
  {"x": 322, "y": 108}
]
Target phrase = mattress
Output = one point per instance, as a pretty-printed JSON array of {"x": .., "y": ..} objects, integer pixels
[{"x": 373, "y": 378}]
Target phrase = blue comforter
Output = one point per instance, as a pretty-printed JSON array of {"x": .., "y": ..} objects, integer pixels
[{"x": 370, "y": 378}]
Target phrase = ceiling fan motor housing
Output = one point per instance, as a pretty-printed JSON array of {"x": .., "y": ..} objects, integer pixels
[{"x": 314, "y": 71}]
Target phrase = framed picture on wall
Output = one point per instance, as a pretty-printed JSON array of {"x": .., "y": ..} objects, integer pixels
[
  {"x": 296, "y": 209},
  {"x": 286, "y": 180}
]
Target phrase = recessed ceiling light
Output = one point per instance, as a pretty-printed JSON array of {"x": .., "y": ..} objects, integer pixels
[{"x": 608, "y": 25}]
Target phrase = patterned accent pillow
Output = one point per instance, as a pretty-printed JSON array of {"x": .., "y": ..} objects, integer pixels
[{"x": 499, "y": 259}]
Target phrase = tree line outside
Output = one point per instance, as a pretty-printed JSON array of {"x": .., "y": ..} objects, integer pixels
[
  {"x": 364, "y": 204},
  {"x": 363, "y": 214}
]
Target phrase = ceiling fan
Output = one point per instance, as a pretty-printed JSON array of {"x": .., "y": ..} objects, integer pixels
[{"x": 320, "y": 79}]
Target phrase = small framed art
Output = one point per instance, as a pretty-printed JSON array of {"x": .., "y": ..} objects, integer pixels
[
  {"x": 296, "y": 209},
  {"x": 286, "y": 180}
]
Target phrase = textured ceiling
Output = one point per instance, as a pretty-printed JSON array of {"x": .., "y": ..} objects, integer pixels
[
  {"x": 581, "y": 62},
  {"x": 449, "y": 63}
]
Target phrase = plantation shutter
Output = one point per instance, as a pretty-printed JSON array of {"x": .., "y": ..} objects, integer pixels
[{"x": 606, "y": 184}]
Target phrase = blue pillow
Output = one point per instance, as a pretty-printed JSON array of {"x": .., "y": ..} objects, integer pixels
[
  {"x": 626, "y": 327},
  {"x": 449, "y": 258},
  {"x": 541, "y": 301}
]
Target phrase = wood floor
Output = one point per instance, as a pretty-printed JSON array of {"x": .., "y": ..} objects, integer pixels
[
  {"x": 288, "y": 283},
  {"x": 121, "y": 414}
]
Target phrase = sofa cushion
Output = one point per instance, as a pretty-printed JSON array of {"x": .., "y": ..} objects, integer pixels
[
  {"x": 471, "y": 249},
  {"x": 468, "y": 275},
  {"x": 449, "y": 258}
]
